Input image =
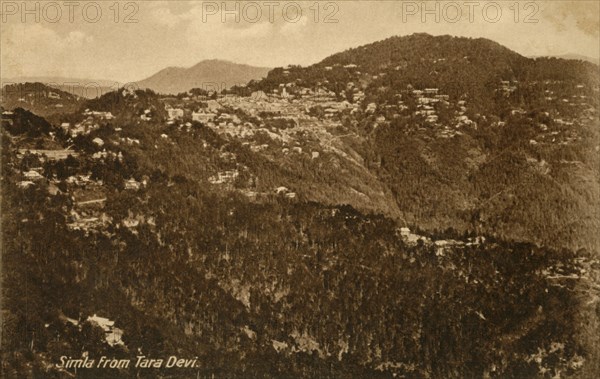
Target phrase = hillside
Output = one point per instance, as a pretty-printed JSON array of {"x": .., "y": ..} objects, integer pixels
[
  {"x": 262, "y": 287},
  {"x": 578, "y": 57},
  {"x": 80, "y": 87},
  {"x": 458, "y": 67},
  {"x": 209, "y": 75},
  {"x": 39, "y": 99},
  {"x": 421, "y": 207},
  {"x": 460, "y": 127}
]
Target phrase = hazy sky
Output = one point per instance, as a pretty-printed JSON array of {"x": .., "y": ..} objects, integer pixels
[{"x": 65, "y": 41}]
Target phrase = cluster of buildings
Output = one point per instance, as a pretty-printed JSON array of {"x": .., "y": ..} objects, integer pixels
[
  {"x": 37, "y": 96},
  {"x": 285, "y": 192},
  {"x": 34, "y": 174},
  {"x": 112, "y": 335},
  {"x": 50, "y": 155},
  {"x": 426, "y": 99},
  {"x": 227, "y": 177},
  {"x": 301, "y": 99},
  {"x": 86, "y": 195},
  {"x": 174, "y": 113},
  {"x": 92, "y": 121},
  {"x": 507, "y": 87},
  {"x": 203, "y": 117},
  {"x": 441, "y": 245},
  {"x": 461, "y": 118},
  {"x": 570, "y": 110}
]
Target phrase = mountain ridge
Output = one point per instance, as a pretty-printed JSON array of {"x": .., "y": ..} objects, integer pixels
[
  {"x": 211, "y": 74},
  {"x": 441, "y": 169},
  {"x": 576, "y": 57},
  {"x": 250, "y": 231}
]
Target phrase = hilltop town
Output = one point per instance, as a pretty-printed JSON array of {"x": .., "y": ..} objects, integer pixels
[
  {"x": 409, "y": 208},
  {"x": 290, "y": 123}
]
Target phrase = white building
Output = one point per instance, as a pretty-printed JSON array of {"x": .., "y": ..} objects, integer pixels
[
  {"x": 175, "y": 113},
  {"x": 203, "y": 117}
]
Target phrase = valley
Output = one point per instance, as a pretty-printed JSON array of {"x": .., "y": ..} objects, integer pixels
[{"x": 402, "y": 209}]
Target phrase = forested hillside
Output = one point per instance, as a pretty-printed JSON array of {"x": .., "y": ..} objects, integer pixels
[
  {"x": 39, "y": 98},
  {"x": 470, "y": 135},
  {"x": 213, "y": 75},
  {"x": 273, "y": 289},
  {"x": 421, "y": 207}
]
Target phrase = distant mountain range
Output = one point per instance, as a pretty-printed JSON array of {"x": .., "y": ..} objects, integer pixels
[
  {"x": 282, "y": 219},
  {"x": 81, "y": 87},
  {"x": 460, "y": 180},
  {"x": 576, "y": 57},
  {"x": 214, "y": 74},
  {"x": 209, "y": 75},
  {"x": 458, "y": 67},
  {"x": 39, "y": 98}
]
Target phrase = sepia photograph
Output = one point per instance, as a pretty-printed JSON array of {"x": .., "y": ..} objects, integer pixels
[{"x": 369, "y": 189}]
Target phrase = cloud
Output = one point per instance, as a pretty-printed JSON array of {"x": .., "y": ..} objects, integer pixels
[
  {"x": 218, "y": 34},
  {"x": 243, "y": 42},
  {"x": 36, "y": 36},
  {"x": 582, "y": 15},
  {"x": 161, "y": 13},
  {"x": 75, "y": 39},
  {"x": 294, "y": 29},
  {"x": 32, "y": 48},
  {"x": 173, "y": 33},
  {"x": 157, "y": 4}
]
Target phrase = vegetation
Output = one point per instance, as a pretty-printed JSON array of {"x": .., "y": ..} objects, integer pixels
[{"x": 280, "y": 249}]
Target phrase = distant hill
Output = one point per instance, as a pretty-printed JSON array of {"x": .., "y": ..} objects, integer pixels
[
  {"x": 470, "y": 67},
  {"x": 39, "y": 99},
  {"x": 127, "y": 104},
  {"x": 82, "y": 87},
  {"x": 525, "y": 170},
  {"x": 578, "y": 57},
  {"x": 208, "y": 74},
  {"x": 268, "y": 242}
]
